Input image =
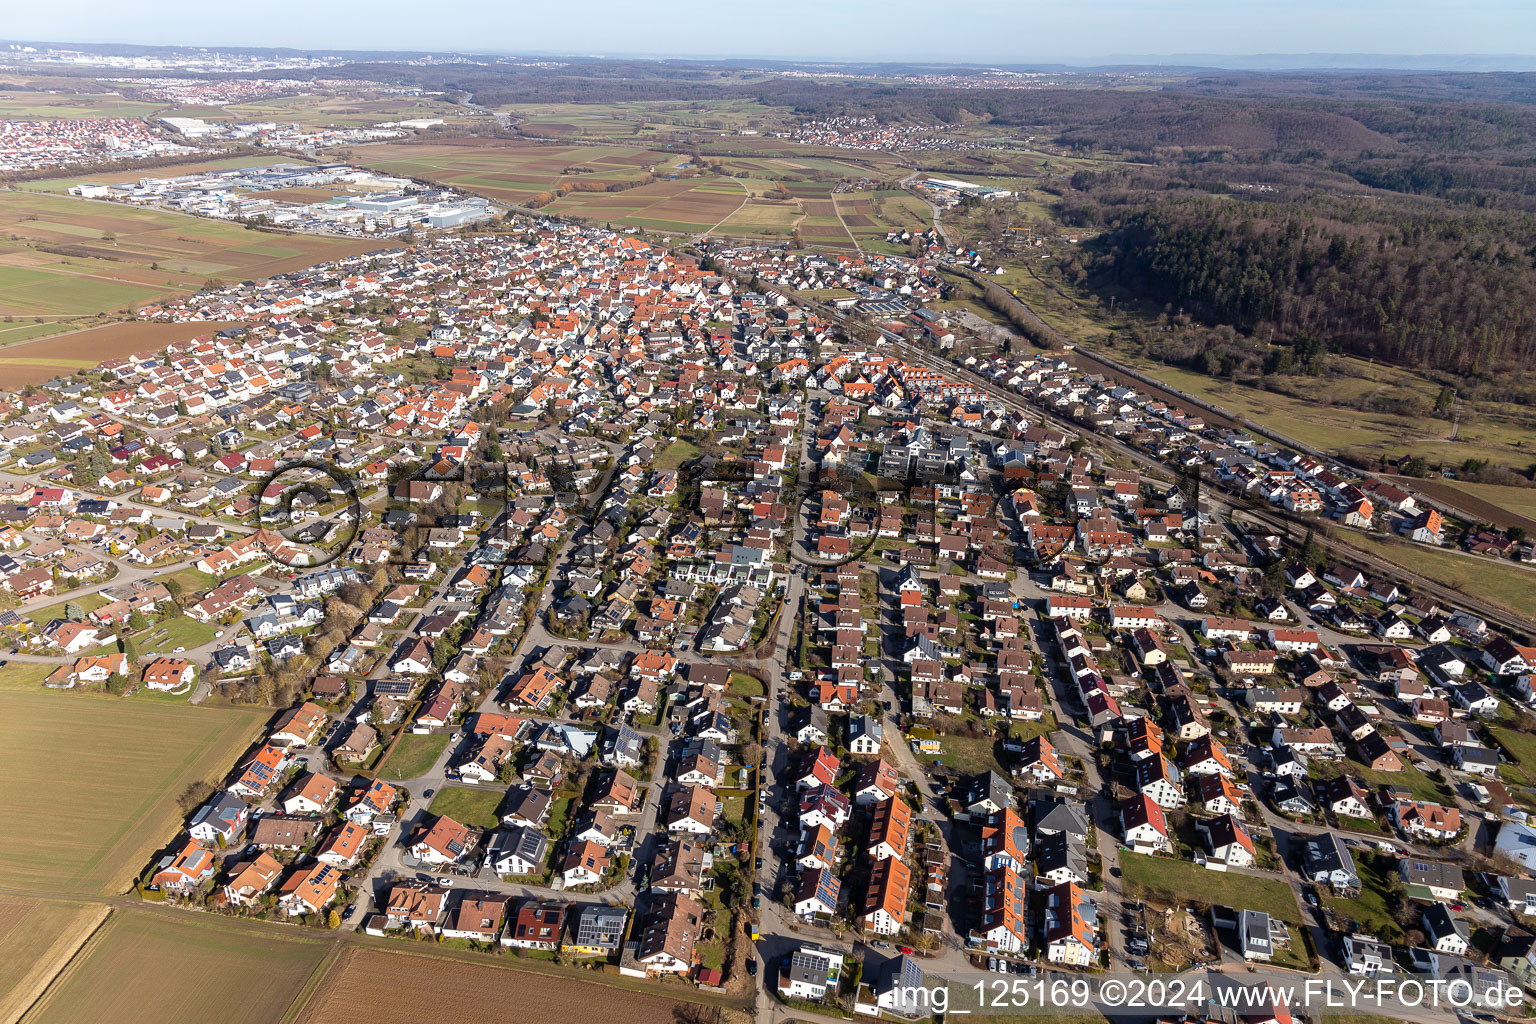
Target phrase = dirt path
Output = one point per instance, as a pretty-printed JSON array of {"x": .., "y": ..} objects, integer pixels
[{"x": 716, "y": 225}]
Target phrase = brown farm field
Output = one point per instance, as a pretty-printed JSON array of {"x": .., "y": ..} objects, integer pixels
[
  {"x": 1501, "y": 506},
  {"x": 424, "y": 987},
  {"x": 65, "y": 256},
  {"x": 148, "y": 966},
  {"x": 37, "y": 938},
  {"x": 91, "y": 785},
  {"x": 32, "y": 362},
  {"x": 510, "y": 170}
]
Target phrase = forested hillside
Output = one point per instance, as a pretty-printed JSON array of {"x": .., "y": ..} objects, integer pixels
[{"x": 1423, "y": 288}]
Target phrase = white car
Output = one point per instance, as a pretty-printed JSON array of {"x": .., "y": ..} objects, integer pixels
[{"x": 445, "y": 880}]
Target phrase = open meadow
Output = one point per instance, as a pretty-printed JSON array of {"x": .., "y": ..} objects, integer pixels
[
  {"x": 1498, "y": 582},
  {"x": 91, "y": 785},
  {"x": 148, "y": 966},
  {"x": 26, "y": 104},
  {"x": 62, "y": 255},
  {"x": 423, "y": 986},
  {"x": 37, "y": 938},
  {"x": 317, "y": 111},
  {"x": 769, "y": 197},
  {"x": 645, "y": 119},
  {"x": 514, "y": 170}
]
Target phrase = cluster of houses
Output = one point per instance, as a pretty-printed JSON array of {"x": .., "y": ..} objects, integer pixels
[{"x": 280, "y": 836}]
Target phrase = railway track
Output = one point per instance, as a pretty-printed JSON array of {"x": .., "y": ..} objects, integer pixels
[{"x": 1292, "y": 528}]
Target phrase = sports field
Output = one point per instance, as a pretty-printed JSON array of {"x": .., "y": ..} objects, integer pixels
[
  {"x": 62, "y": 255},
  {"x": 148, "y": 966},
  {"x": 90, "y": 788}
]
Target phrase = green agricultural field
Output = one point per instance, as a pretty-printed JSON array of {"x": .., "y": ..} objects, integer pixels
[
  {"x": 26, "y": 104},
  {"x": 24, "y": 675},
  {"x": 761, "y": 217},
  {"x": 62, "y": 255},
  {"x": 341, "y": 111},
  {"x": 413, "y": 755},
  {"x": 63, "y": 291},
  {"x": 475, "y": 807},
  {"x": 37, "y": 937},
  {"x": 1183, "y": 880},
  {"x": 148, "y": 966},
  {"x": 514, "y": 171},
  {"x": 91, "y": 787}
]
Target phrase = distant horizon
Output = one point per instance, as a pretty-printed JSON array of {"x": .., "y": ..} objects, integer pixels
[
  {"x": 1371, "y": 34},
  {"x": 1340, "y": 61}
]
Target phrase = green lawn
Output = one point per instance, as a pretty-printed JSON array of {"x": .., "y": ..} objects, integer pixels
[
  {"x": 1370, "y": 909},
  {"x": 27, "y": 675},
  {"x": 87, "y": 602},
  {"x": 967, "y": 754},
  {"x": 193, "y": 581},
  {"x": 164, "y": 637},
  {"x": 559, "y": 816},
  {"x": 712, "y": 954},
  {"x": 675, "y": 454},
  {"x": 414, "y": 755},
  {"x": 743, "y": 685},
  {"x": 1185, "y": 880},
  {"x": 1029, "y": 730},
  {"x": 1420, "y": 785},
  {"x": 1519, "y": 747},
  {"x": 734, "y": 803},
  {"x": 469, "y": 806}
]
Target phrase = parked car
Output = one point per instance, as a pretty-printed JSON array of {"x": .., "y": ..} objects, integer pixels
[
  {"x": 752, "y": 967},
  {"x": 445, "y": 880}
]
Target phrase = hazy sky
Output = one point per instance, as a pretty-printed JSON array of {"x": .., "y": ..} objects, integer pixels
[{"x": 967, "y": 30}]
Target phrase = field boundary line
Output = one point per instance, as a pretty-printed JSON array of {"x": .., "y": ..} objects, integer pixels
[
  {"x": 70, "y": 966},
  {"x": 21, "y": 1002},
  {"x": 306, "y": 994}
]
